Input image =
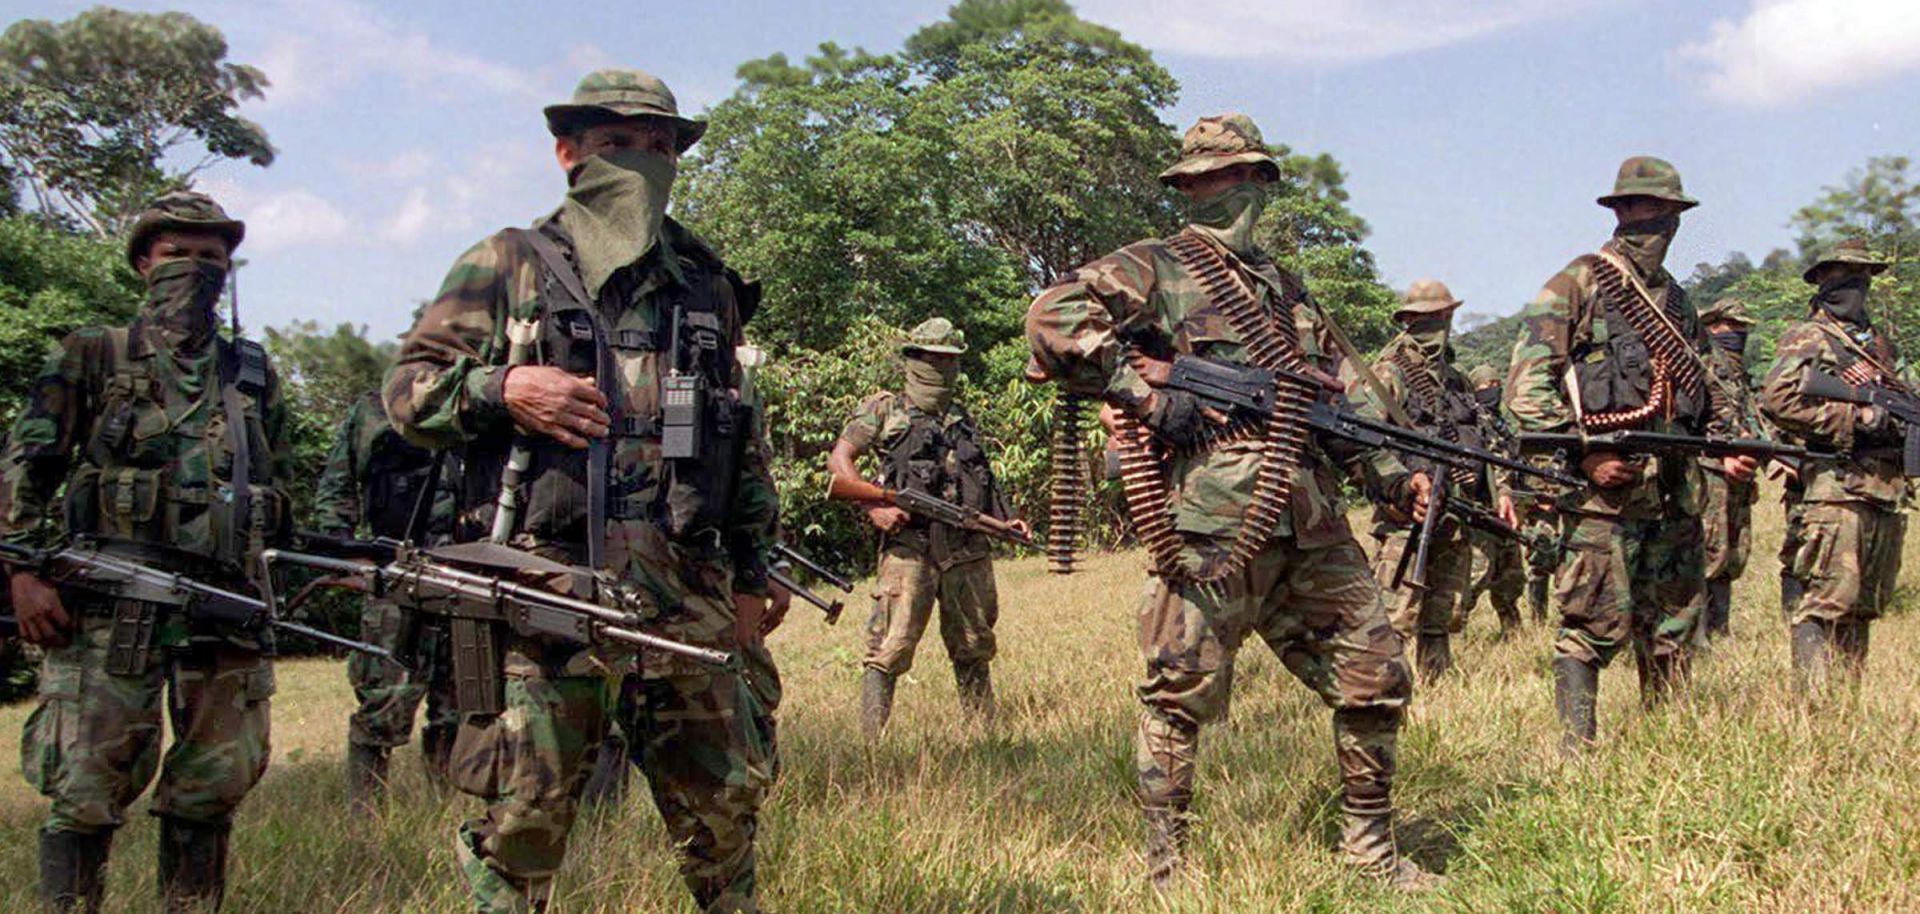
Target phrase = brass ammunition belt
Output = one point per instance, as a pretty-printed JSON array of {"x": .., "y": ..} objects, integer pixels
[
  {"x": 1675, "y": 364},
  {"x": 1424, "y": 387},
  {"x": 1067, "y": 484}
]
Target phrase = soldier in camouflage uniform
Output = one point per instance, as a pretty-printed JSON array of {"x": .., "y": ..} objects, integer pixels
[
  {"x": 375, "y": 476},
  {"x": 927, "y": 442},
  {"x": 1498, "y": 569},
  {"x": 1108, "y": 331},
  {"x": 143, "y": 426},
  {"x": 1845, "y": 527},
  {"x": 1729, "y": 502},
  {"x": 540, "y": 342},
  {"x": 1631, "y": 573},
  {"x": 1416, "y": 370}
]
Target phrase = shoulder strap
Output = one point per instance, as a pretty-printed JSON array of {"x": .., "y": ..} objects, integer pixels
[
  {"x": 234, "y": 376},
  {"x": 599, "y": 450}
]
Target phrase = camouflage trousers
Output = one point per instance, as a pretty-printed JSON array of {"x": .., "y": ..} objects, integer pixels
[
  {"x": 1320, "y": 612},
  {"x": 1726, "y": 524},
  {"x": 1431, "y": 613},
  {"x": 1845, "y": 559},
  {"x": 1499, "y": 571},
  {"x": 388, "y": 695},
  {"x": 909, "y": 583},
  {"x": 93, "y": 742},
  {"x": 1544, "y": 551},
  {"x": 1629, "y": 582},
  {"x": 693, "y": 736}
]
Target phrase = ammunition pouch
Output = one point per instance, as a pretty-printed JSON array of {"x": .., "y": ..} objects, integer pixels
[
  {"x": 478, "y": 684},
  {"x": 130, "y": 642}
]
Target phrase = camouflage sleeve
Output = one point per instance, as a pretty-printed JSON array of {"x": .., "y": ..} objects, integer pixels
[
  {"x": 1811, "y": 419},
  {"x": 869, "y": 418},
  {"x": 336, "y": 500},
  {"x": 1534, "y": 394},
  {"x": 1075, "y": 328},
  {"x": 445, "y": 384},
  {"x": 39, "y": 451}
]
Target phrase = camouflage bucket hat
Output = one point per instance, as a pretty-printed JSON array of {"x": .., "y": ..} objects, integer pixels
[
  {"x": 1427, "y": 296},
  {"x": 1482, "y": 375},
  {"x": 936, "y": 335},
  {"x": 1646, "y": 176},
  {"x": 1847, "y": 250},
  {"x": 1218, "y": 142},
  {"x": 1727, "y": 311},
  {"x": 611, "y": 95},
  {"x": 181, "y": 211}
]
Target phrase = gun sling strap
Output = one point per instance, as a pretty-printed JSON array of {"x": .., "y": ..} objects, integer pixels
[{"x": 243, "y": 372}]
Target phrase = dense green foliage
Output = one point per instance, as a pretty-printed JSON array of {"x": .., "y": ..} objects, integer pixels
[{"x": 52, "y": 282}]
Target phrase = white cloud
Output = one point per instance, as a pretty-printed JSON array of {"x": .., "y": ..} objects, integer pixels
[
  {"x": 1786, "y": 50},
  {"x": 321, "y": 46},
  {"x": 1327, "y": 31},
  {"x": 411, "y": 221},
  {"x": 288, "y": 219}
]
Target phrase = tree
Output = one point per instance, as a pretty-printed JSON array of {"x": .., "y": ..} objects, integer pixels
[
  {"x": 322, "y": 374},
  {"x": 1879, "y": 202},
  {"x": 104, "y": 112},
  {"x": 1309, "y": 227},
  {"x": 52, "y": 283}
]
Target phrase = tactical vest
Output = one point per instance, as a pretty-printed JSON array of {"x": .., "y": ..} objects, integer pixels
[
  {"x": 397, "y": 474},
  {"x": 943, "y": 461},
  {"x": 158, "y": 467},
  {"x": 1444, "y": 407},
  {"x": 1614, "y": 366},
  {"x": 687, "y": 424}
]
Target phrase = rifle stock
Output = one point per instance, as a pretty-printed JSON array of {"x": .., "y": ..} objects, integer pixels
[
  {"x": 1902, "y": 407},
  {"x": 920, "y": 504}
]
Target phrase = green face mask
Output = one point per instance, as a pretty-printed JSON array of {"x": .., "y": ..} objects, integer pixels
[
  {"x": 1430, "y": 335},
  {"x": 1645, "y": 242},
  {"x": 1231, "y": 214},
  {"x": 614, "y": 210},
  {"x": 181, "y": 295},
  {"x": 930, "y": 386}
]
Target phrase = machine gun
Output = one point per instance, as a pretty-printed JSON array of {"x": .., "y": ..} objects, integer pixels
[
  {"x": 91, "y": 566},
  {"x": 1570, "y": 446},
  {"x": 832, "y": 608},
  {"x": 920, "y": 504},
  {"x": 474, "y": 586},
  {"x": 1902, "y": 407}
]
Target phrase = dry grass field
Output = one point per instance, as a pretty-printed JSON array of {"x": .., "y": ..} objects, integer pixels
[{"x": 1740, "y": 799}]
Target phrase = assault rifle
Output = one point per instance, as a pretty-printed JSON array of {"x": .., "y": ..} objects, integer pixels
[
  {"x": 88, "y": 566},
  {"x": 833, "y": 608},
  {"x": 1572, "y": 445},
  {"x": 472, "y": 585},
  {"x": 927, "y": 506},
  {"x": 1903, "y": 408}
]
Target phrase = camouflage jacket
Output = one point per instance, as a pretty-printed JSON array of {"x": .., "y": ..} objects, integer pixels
[
  {"x": 445, "y": 390},
  {"x": 1081, "y": 329},
  {"x": 1728, "y": 371},
  {"x": 881, "y": 424},
  {"x": 374, "y": 476},
  {"x": 1869, "y": 471},
  {"x": 137, "y": 437},
  {"x": 1566, "y": 324},
  {"x": 1469, "y": 423}
]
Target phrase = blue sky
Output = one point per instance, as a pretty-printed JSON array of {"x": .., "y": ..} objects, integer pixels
[{"x": 1475, "y": 135}]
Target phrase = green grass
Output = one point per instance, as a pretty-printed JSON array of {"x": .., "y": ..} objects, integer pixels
[{"x": 1738, "y": 800}]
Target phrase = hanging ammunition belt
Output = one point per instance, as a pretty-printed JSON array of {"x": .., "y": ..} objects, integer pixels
[
  {"x": 1272, "y": 342},
  {"x": 1067, "y": 488},
  {"x": 1429, "y": 392},
  {"x": 1675, "y": 363}
]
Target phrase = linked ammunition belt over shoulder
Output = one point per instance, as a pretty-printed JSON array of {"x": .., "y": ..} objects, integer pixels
[
  {"x": 1428, "y": 390},
  {"x": 1674, "y": 361},
  {"x": 1067, "y": 489},
  {"x": 1272, "y": 342}
]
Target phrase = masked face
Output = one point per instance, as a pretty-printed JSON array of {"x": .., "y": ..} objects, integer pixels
[
  {"x": 1734, "y": 341},
  {"x": 181, "y": 296},
  {"x": 615, "y": 209},
  {"x": 1231, "y": 214},
  {"x": 930, "y": 381},
  {"x": 1644, "y": 242},
  {"x": 1845, "y": 297},
  {"x": 1430, "y": 333},
  {"x": 1488, "y": 397}
]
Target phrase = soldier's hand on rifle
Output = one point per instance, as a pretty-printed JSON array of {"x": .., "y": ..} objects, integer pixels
[
  {"x": 548, "y": 401},
  {"x": 887, "y": 517},
  {"x": 1609, "y": 471},
  {"x": 1739, "y": 467},
  {"x": 1020, "y": 526},
  {"x": 37, "y": 609},
  {"x": 779, "y": 600},
  {"x": 1503, "y": 506},
  {"x": 1422, "y": 495}
]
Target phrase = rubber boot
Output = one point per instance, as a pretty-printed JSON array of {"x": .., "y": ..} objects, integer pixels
[
  {"x": 1850, "y": 648},
  {"x": 1434, "y": 650},
  {"x": 436, "y": 754},
  {"x": 1719, "y": 607},
  {"x": 606, "y": 786},
  {"x": 73, "y": 870},
  {"x": 193, "y": 865},
  {"x": 1166, "y": 843},
  {"x": 1812, "y": 653},
  {"x": 876, "y": 702},
  {"x": 366, "y": 776},
  {"x": 975, "y": 683},
  {"x": 1576, "y": 692},
  {"x": 1366, "y": 843},
  {"x": 1537, "y": 598}
]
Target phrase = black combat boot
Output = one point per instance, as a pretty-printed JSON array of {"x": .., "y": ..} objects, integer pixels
[
  {"x": 975, "y": 683},
  {"x": 436, "y": 754},
  {"x": 1166, "y": 843},
  {"x": 606, "y": 786},
  {"x": 193, "y": 865},
  {"x": 1434, "y": 651},
  {"x": 1537, "y": 598},
  {"x": 1367, "y": 843},
  {"x": 1719, "y": 607},
  {"x": 1850, "y": 648},
  {"x": 366, "y": 776},
  {"x": 73, "y": 871},
  {"x": 1576, "y": 692},
  {"x": 876, "y": 702},
  {"x": 1812, "y": 653}
]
